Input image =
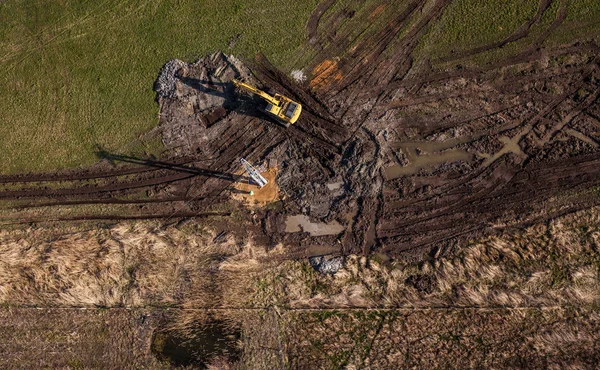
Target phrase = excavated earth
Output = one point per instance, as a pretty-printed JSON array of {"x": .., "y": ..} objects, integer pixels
[{"x": 389, "y": 156}]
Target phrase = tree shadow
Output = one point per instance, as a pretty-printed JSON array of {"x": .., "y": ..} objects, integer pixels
[{"x": 150, "y": 162}]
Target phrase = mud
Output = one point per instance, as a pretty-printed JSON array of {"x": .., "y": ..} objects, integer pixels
[
  {"x": 301, "y": 223},
  {"x": 410, "y": 160},
  {"x": 418, "y": 162}
]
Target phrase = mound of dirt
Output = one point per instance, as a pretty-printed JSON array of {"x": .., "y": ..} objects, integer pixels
[
  {"x": 193, "y": 96},
  {"x": 423, "y": 283}
]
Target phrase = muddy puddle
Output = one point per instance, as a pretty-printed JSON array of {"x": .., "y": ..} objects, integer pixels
[
  {"x": 299, "y": 223},
  {"x": 428, "y": 154},
  {"x": 198, "y": 347},
  {"x": 425, "y": 161},
  {"x": 335, "y": 185},
  {"x": 510, "y": 146}
]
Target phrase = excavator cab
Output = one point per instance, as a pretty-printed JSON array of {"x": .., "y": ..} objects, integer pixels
[{"x": 283, "y": 109}]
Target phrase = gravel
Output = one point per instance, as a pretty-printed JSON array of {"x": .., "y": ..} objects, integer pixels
[
  {"x": 166, "y": 84},
  {"x": 326, "y": 265}
]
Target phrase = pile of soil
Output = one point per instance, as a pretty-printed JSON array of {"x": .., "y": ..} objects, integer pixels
[{"x": 193, "y": 96}]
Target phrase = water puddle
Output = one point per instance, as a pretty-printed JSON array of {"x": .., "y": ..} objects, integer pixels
[
  {"x": 299, "y": 223},
  {"x": 321, "y": 250},
  {"x": 581, "y": 137},
  {"x": 510, "y": 146},
  {"x": 427, "y": 161},
  {"x": 334, "y": 185}
]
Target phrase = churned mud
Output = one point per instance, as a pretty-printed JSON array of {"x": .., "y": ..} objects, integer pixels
[{"x": 407, "y": 159}]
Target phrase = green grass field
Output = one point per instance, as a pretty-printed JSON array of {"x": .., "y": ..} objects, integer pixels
[
  {"x": 467, "y": 24},
  {"x": 471, "y": 23},
  {"x": 79, "y": 74}
]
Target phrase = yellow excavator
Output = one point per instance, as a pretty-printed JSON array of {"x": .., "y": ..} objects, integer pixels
[{"x": 283, "y": 109}]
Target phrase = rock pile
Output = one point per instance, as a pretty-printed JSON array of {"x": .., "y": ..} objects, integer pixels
[
  {"x": 326, "y": 265},
  {"x": 166, "y": 84}
]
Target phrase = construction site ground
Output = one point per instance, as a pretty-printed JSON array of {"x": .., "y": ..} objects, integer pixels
[
  {"x": 402, "y": 153},
  {"x": 408, "y": 157}
]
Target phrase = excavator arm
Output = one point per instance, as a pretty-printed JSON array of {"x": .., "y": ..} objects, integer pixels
[{"x": 256, "y": 91}]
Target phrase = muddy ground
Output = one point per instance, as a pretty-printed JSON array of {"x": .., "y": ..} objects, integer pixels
[
  {"x": 409, "y": 159},
  {"x": 398, "y": 157}
]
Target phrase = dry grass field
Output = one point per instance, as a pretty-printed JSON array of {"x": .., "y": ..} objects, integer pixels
[
  {"x": 76, "y": 339},
  {"x": 529, "y": 298}
]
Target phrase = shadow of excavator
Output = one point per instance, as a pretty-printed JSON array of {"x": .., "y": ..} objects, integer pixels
[
  {"x": 246, "y": 104},
  {"x": 224, "y": 90},
  {"x": 151, "y": 162}
]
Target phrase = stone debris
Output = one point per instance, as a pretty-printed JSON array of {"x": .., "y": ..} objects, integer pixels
[
  {"x": 298, "y": 75},
  {"x": 326, "y": 265},
  {"x": 166, "y": 84}
]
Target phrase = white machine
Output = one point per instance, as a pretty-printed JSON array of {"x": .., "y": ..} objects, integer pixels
[{"x": 254, "y": 173}]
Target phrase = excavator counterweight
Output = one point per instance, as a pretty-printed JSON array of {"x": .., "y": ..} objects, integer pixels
[{"x": 282, "y": 108}]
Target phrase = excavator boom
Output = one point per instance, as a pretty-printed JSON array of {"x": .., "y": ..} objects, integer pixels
[{"x": 255, "y": 91}]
